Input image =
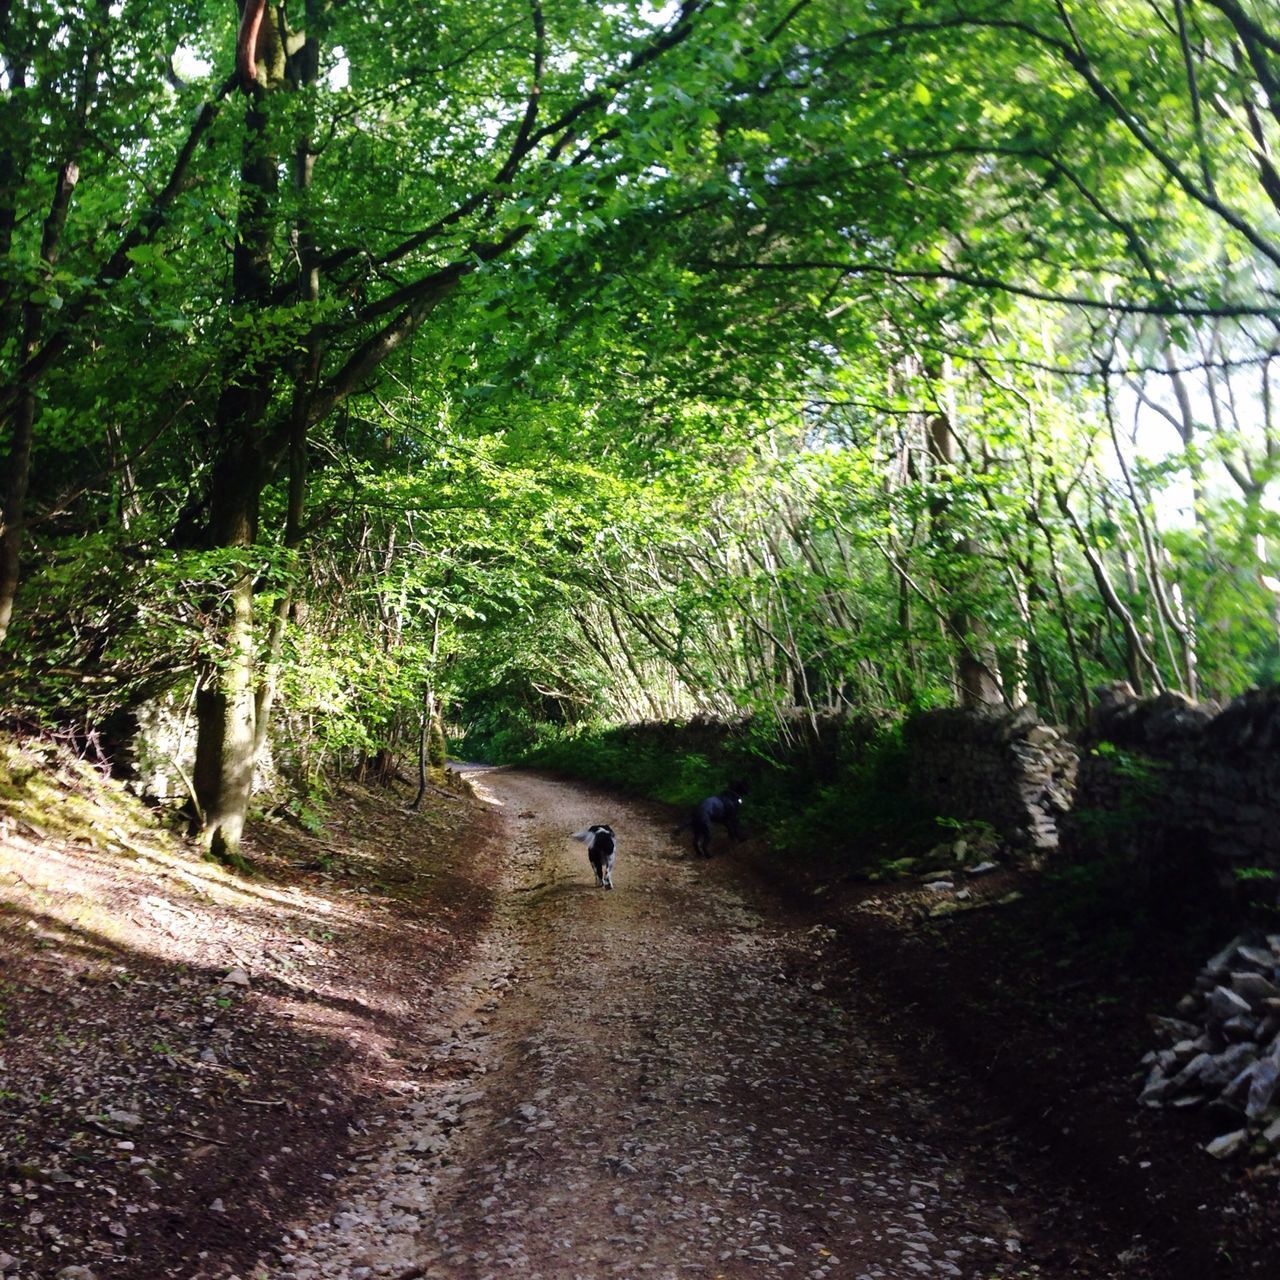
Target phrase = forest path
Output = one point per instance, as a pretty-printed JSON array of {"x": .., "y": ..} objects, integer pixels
[{"x": 641, "y": 1090}]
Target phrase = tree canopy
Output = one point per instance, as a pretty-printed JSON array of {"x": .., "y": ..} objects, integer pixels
[{"x": 554, "y": 361}]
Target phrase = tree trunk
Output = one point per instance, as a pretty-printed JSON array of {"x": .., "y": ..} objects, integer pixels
[
  {"x": 1138, "y": 661},
  {"x": 225, "y": 741},
  {"x": 24, "y": 418},
  {"x": 226, "y": 711},
  {"x": 425, "y": 722},
  {"x": 430, "y": 715},
  {"x": 306, "y": 369},
  {"x": 15, "y": 505},
  {"x": 12, "y": 166},
  {"x": 977, "y": 676},
  {"x": 18, "y": 464}
]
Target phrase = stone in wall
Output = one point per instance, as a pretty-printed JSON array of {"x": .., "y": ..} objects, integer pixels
[
  {"x": 160, "y": 750},
  {"x": 1174, "y": 784},
  {"x": 1161, "y": 723},
  {"x": 1005, "y": 768}
]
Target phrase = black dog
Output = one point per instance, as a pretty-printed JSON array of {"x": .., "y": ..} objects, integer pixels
[
  {"x": 602, "y": 848},
  {"x": 723, "y": 809}
]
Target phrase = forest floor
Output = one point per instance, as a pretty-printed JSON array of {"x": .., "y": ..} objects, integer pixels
[{"x": 455, "y": 1056}]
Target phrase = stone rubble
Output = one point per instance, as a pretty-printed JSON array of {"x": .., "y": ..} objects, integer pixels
[{"x": 1223, "y": 1048}]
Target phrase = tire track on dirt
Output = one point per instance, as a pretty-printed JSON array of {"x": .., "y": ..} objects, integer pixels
[
  {"x": 664, "y": 1102},
  {"x": 630, "y": 1085}
]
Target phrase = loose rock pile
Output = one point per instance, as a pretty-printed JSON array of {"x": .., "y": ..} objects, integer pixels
[{"x": 1225, "y": 1049}]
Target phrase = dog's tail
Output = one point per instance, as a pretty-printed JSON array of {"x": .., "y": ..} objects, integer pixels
[
  {"x": 684, "y": 826},
  {"x": 584, "y": 836}
]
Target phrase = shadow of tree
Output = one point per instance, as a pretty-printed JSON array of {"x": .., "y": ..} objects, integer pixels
[{"x": 247, "y": 1099}]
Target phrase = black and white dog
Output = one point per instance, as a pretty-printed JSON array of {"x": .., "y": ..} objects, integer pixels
[
  {"x": 723, "y": 809},
  {"x": 602, "y": 848}
]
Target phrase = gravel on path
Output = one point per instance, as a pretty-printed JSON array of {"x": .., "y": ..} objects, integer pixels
[{"x": 629, "y": 1085}]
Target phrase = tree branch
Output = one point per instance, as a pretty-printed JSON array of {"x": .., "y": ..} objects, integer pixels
[{"x": 994, "y": 284}]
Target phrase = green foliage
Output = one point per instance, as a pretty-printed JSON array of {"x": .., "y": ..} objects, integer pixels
[
  {"x": 1255, "y": 875},
  {"x": 311, "y": 812},
  {"x": 624, "y": 401},
  {"x": 841, "y": 798}
]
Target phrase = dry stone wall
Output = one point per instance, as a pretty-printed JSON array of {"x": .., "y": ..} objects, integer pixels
[
  {"x": 1176, "y": 784},
  {"x": 1183, "y": 799},
  {"x": 1005, "y": 768},
  {"x": 1187, "y": 792}
]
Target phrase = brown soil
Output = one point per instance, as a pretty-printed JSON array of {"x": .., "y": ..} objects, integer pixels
[
  {"x": 233, "y": 1106},
  {"x": 1030, "y": 1017},
  {"x": 723, "y": 1068}
]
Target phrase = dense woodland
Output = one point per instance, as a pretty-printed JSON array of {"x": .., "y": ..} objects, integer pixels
[{"x": 522, "y": 364}]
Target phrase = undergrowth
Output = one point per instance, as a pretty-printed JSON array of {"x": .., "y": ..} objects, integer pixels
[{"x": 49, "y": 790}]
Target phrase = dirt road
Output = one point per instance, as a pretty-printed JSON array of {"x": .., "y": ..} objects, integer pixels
[{"x": 631, "y": 1085}]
